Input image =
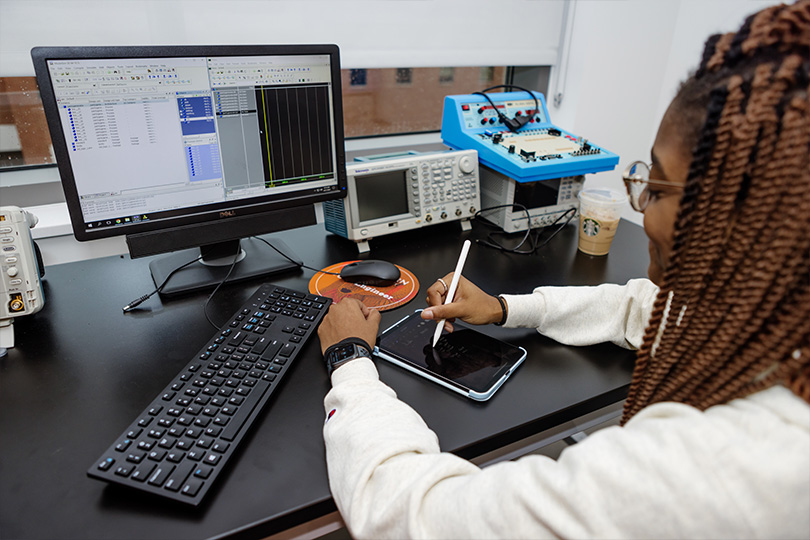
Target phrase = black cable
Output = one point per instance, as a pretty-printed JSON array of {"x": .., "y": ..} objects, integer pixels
[
  {"x": 296, "y": 262},
  {"x": 132, "y": 305},
  {"x": 572, "y": 211},
  {"x": 512, "y": 123},
  {"x": 527, "y": 237},
  {"x": 491, "y": 242},
  {"x": 221, "y": 283}
]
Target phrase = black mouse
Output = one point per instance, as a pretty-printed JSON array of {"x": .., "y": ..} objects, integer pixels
[{"x": 371, "y": 272}]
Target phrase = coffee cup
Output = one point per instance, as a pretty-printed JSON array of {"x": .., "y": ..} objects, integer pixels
[{"x": 599, "y": 213}]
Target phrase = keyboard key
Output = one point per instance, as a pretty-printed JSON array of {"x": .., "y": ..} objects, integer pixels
[
  {"x": 123, "y": 445},
  {"x": 143, "y": 472},
  {"x": 220, "y": 447},
  {"x": 179, "y": 476},
  {"x": 167, "y": 442},
  {"x": 183, "y": 444},
  {"x": 175, "y": 457},
  {"x": 213, "y": 431},
  {"x": 160, "y": 474},
  {"x": 136, "y": 457},
  {"x": 192, "y": 487},
  {"x": 205, "y": 442}
]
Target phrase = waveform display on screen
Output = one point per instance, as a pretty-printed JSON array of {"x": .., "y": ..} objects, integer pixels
[{"x": 296, "y": 133}]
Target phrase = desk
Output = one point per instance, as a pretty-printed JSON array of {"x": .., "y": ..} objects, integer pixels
[{"x": 82, "y": 370}]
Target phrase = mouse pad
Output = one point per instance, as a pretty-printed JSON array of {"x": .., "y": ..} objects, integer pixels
[{"x": 380, "y": 298}]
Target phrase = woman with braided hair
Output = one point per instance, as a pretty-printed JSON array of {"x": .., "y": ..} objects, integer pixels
[{"x": 715, "y": 436}]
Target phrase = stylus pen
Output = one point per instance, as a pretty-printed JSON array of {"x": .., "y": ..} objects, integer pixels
[{"x": 451, "y": 292}]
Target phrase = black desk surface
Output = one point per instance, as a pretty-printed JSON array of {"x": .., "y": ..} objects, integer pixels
[{"x": 82, "y": 370}]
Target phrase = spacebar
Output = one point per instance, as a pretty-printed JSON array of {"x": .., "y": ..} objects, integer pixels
[{"x": 247, "y": 406}]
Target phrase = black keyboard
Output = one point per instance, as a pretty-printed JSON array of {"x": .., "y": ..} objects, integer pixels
[{"x": 179, "y": 444}]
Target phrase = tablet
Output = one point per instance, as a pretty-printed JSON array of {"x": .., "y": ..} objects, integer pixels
[{"x": 464, "y": 361}]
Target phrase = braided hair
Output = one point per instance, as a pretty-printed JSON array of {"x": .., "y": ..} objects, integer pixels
[{"x": 733, "y": 313}]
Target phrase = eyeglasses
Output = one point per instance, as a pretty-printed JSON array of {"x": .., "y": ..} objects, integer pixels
[{"x": 637, "y": 181}]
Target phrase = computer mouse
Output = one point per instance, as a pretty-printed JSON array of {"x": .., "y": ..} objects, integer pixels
[{"x": 371, "y": 272}]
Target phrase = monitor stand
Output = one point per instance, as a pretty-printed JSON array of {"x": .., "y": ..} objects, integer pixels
[{"x": 255, "y": 259}]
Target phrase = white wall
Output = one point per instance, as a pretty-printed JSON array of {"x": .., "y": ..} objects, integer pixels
[
  {"x": 626, "y": 60},
  {"x": 370, "y": 33}
]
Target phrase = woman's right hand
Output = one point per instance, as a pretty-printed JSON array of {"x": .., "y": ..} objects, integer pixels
[{"x": 470, "y": 304}]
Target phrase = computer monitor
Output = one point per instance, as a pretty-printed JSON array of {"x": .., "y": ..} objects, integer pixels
[{"x": 181, "y": 147}]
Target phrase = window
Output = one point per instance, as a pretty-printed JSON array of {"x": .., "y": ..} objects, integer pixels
[
  {"x": 383, "y": 101},
  {"x": 487, "y": 76},
  {"x": 357, "y": 77},
  {"x": 24, "y": 137},
  {"x": 404, "y": 75},
  {"x": 408, "y": 100},
  {"x": 447, "y": 75}
]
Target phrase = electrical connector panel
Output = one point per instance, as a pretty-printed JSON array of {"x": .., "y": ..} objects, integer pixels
[
  {"x": 538, "y": 150},
  {"x": 20, "y": 286}
]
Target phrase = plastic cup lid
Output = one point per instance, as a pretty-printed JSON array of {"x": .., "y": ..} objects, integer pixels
[{"x": 602, "y": 196}]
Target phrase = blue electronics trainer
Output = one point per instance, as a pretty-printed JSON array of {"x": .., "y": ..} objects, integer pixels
[
  {"x": 531, "y": 170},
  {"x": 537, "y": 150}
]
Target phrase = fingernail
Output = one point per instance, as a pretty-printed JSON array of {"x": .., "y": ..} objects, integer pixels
[{"x": 427, "y": 314}]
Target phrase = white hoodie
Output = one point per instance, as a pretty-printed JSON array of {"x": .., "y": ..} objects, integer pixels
[{"x": 738, "y": 470}]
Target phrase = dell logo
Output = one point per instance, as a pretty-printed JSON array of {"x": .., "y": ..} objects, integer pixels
[{"x": 227, "y": 213}]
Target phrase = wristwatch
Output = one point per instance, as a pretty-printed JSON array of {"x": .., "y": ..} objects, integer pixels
[{"x": 345, "y": 351}]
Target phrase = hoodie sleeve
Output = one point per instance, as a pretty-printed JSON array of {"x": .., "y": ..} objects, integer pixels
[{"x": 586, "y": 315}]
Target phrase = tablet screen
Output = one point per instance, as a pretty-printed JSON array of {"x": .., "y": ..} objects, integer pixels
[{"x": 464, "y": 357}]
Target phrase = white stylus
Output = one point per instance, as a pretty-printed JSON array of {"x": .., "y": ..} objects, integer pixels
[{"x": 451, "y": 292}]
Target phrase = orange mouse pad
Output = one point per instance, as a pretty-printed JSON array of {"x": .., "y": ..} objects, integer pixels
[{"x": 381, "y": 298}]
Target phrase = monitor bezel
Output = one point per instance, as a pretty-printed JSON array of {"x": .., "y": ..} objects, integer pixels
[{"x": 225, "y": 211}]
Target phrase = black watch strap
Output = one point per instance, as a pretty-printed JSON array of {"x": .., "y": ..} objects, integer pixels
[{"x": 344, "y": 351}]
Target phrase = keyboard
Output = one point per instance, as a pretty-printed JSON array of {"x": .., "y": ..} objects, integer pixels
[{"x": 183, "y": 439}]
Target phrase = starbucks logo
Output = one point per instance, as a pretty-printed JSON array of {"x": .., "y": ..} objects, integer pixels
[{"x": 590, "y": 227}]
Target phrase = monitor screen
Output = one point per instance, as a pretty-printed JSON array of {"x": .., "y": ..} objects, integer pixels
[
  {"x": 158, "y": 143},
  {"x": 382, "y": 195}
]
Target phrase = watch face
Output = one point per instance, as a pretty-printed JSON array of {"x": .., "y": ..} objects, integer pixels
[{"x": 342, "y": 353}]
